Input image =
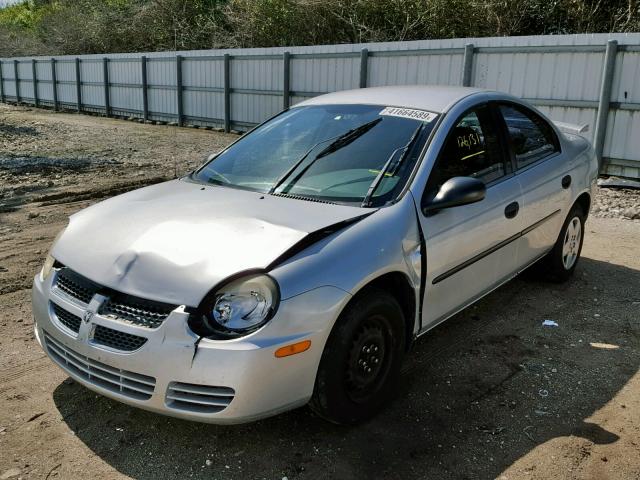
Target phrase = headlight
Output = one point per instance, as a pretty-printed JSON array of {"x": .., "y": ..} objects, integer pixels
[
  {"x": 238, "y": 308},
  {"x": 49, "y": 262},
  {"x": 47, "y": 267}
]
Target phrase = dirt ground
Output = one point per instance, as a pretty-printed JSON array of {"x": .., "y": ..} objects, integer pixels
[{"x": 490, "y": 394}]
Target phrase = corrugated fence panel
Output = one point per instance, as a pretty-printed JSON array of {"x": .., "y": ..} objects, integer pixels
[
  {"x": 415, "y": 69},
  {"x": 255, "y": 74},
  {"x": 622, "y": 138},
  {"x": 321, "y": 75},
  {"x": 26, "y": 80},
  {"x": 66, "y": 78},
  {"x": 92, "y": 78},
  {"x": 627, "y": 78},
  {"x": 297, "y": 99},
  {"x": 161, "y": 77},
  {"x": 125, "y": 93},
  {"x": 45, "y": 87},
  {"x": 250, "y": 109},
  {"x": 203, "y": 84},
  {"x": 8, "y": 76},
  {"x": 622, "y": 142},
  {"x": 562, "y": 75},
  {"x": 568, "y": 76}
]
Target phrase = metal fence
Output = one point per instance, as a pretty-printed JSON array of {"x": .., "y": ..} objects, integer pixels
[{"x": 592, "y": 79}]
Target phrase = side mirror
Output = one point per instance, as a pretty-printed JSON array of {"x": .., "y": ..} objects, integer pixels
[{"x": 454, "y": 192}]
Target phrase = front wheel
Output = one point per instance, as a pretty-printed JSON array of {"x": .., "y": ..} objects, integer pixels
[
  {"x": 561, "y": 261},
  {"x": 361, "y": 361}
]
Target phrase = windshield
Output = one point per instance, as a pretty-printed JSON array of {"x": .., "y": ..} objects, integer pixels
[{"x": 337, "y": 153}]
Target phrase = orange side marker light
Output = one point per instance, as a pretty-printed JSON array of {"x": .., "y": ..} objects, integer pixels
[{"x": 293, "y": 349}]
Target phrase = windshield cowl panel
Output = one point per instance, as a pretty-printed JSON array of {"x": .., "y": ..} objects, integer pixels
[{"x": 326, "y": 153}]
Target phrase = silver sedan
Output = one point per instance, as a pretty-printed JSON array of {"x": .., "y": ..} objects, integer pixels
[{"x": 298, "y": 265}]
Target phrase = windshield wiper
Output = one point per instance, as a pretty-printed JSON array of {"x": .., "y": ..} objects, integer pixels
[
  {"x": 348, "y": 137},
  {"x": 296, "y": 164},
  {"x": 336, "y": 144},
  {"x": 390, "y": 167}
]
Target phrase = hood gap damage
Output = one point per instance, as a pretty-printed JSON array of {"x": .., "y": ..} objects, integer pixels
[
  {"x": 314, "y": 237},
  {"x": 309, "y": 240}
]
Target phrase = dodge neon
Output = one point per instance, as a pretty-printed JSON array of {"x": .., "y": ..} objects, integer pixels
[{"x": 298, "y": 265}]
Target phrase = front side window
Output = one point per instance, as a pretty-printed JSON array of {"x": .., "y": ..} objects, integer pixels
[
  {"x": 326, "y": 152},
  {"x": 472, "y": 149},
  {"x": 531, "y": 137}
]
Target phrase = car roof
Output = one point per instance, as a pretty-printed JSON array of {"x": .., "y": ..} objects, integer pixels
[{"x": 434, "y": 98}]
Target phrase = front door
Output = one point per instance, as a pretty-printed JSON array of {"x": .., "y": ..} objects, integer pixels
[{"x": 470, "y": 248}]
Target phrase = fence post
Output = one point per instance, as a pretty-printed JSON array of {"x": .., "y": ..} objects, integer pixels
[
  {"x": 145, "y": 99},
  {"x": 467, "y": 65},
  {"x": 16, "y": 80},
  {"x": 286, "y": 76},
  {"x": 54, "y": 83},
  {"x": 364, "y": 67},
  {"x": 227, "y": 94},
  {"x": 179, "y": 90},
  {"x": 78, "y": 86},
  {"x": 608, "y": 69},
  {"x": 34, "y": 81},
  {"x": 105, "y": 77},
  {"x": 1, "y": 84}
]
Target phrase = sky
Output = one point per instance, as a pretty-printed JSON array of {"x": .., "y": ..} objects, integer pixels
[{"x": 4, "y": 3}]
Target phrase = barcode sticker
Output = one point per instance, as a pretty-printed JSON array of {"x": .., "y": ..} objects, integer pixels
[{"x": 412, "y": 113}]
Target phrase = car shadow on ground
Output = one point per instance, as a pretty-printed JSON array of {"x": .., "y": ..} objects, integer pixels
[{"x": 477, "y": 394}]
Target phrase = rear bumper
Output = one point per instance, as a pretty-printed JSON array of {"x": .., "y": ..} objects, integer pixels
[{"x": 231, "y": 381}]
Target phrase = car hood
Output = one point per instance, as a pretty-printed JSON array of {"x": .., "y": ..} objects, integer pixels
[{"x": 173, "y": 242}]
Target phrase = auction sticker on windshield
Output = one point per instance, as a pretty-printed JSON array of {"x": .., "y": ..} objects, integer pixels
[{"x": 408, "y": 113}]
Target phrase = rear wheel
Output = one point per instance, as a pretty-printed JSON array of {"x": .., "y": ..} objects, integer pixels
[
  {"x": 361, "y": 361},
  {"x": 561, "y": 261}
]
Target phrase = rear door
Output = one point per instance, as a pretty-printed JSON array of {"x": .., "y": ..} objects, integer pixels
[
  {"x": 544, "y": 176},
  {"x": 470, "y": 248}
]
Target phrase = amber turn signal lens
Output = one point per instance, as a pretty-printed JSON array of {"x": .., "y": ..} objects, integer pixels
[{"x": 293, "y": 349}]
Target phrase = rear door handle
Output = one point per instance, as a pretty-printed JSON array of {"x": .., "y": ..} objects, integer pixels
[
  {"x": 566, "y": 181},
  {"x": 511, "y": 210}
]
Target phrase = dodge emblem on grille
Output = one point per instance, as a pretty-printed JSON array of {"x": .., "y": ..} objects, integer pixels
[{"x": 87, "y": 316}]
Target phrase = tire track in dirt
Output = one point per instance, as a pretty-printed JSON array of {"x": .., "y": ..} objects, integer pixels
[
  {"x": 67, "y": 197},
  {"x": 14, "y": 373}
]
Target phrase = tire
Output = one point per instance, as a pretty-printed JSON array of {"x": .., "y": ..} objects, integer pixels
[
  {"x": 361, "y": 362},
  {"x": 560, "y": 263}
]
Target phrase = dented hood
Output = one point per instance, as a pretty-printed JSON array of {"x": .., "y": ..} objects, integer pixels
[{"x": 174, "y": 241}]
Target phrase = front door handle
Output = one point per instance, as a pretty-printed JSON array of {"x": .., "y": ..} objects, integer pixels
[
  {"x": 566, "y": 181},
  {"x": 511, "y": 210}
]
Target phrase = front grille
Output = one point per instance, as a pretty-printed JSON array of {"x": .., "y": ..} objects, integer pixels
[
  {"x": 75, "y": 286},
  {"x": 198, "y": 398},
  {"x": 130, "y": 384},
  {"x": 119, "y": 306},
  {"x": 116, "y": 339},
  {"x": 136, "y": 311},
  {"x": 68, "y": 319}
]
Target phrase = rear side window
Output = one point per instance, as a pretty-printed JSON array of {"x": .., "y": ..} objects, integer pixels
[{"x": 531, "y": 137}]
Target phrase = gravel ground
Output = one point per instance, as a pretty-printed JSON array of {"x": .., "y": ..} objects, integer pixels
[
  {"x": 618, "y": 203},
  {"x": 489, "y": 394}
]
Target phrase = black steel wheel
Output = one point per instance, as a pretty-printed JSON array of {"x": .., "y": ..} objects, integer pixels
[
  {"x": 361, "y": 361},
  {"x": 368, "y": 362}
]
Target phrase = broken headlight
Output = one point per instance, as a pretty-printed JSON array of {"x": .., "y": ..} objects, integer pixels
[
  {"x": 50, "y": 262},
  {"x": 239, "y": 307}
]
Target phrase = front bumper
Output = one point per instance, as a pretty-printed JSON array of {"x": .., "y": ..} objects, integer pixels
[{"x": 231, "y": 381}]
